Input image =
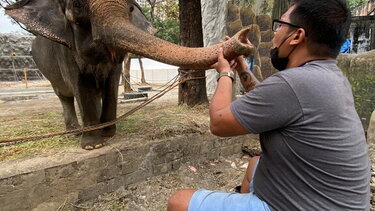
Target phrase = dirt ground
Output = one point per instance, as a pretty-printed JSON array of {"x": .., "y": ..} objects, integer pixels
[{"x": 221, "y": 174}]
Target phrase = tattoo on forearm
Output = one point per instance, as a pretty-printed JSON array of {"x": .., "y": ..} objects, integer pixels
[
  {"x": 247, "y": 81},
  {"x": 244, "y": 76}
]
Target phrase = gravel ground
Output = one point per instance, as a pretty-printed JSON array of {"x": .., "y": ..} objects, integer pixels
[{"x": 222, "y": 174}]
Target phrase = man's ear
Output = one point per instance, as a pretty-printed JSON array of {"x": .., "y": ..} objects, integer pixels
[{"x": 298, "y": 37}]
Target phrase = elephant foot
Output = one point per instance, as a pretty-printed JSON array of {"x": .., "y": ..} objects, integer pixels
[
  {"x": 72, "y": 126},
  {"x": 109, "y": 131},
  {"x": 90, "y": 142}
]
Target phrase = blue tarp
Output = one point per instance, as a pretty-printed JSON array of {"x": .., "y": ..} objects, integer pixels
[
  {"x": 250, "y": 62},
  {"x": 345, "y": 48}
]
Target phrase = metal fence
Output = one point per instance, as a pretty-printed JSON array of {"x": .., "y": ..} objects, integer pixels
[{"x": 13, "y": 72}]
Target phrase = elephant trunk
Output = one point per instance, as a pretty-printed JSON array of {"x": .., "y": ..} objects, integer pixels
[{"x": 113, "y": 28}]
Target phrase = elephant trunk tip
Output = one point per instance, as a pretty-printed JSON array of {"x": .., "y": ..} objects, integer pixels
[
  {"x": 242, "y": 35},
  {"x": 243, "y": 45}
]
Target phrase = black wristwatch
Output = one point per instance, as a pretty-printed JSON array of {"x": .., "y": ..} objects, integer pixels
[{"x": 229, "y": 74}]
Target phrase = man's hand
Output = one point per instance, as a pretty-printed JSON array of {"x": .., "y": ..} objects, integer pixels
[
  {"x": 222, "y": 64},
  {"x": 241, "y": 63}
]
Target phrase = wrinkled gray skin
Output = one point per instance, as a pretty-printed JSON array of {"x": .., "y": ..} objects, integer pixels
[{"x": 88, "y": 71}]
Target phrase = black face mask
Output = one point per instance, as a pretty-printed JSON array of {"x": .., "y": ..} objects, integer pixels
[{"x": 277, "y": 62}]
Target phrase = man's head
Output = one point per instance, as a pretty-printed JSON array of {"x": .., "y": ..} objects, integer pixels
[{"x": 326, "y": 24}]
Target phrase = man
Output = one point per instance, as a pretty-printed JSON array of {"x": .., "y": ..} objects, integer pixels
[{"x": 314, "y": 149}]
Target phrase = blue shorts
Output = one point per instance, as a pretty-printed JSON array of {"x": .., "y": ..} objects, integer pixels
[{"x": 206, "y": 200}]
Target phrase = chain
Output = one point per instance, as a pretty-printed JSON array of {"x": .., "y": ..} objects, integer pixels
[{"x": 8, "y": 142}]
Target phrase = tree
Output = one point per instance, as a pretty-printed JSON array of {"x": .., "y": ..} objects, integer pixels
[
  {"x": 281, "y": 6},
  {"x": 126, "y": 73},
  {"x": 163, "y": 15},
  {"x": 353, "y": 4},
  {"x": 143, "y": 79},
  {"x": 191, "y": 35}
]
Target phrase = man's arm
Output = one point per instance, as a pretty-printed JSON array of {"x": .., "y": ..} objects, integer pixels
[
  {"x": 222, "y": 121},
  {"x": 248, "y": 80}
]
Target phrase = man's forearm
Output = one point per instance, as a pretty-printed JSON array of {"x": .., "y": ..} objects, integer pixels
[
  {"x": 222, "y": 96},
  {"x": 248, "y": 80}
]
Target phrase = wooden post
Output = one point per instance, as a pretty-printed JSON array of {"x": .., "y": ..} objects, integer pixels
[{"x": 25, "y": 74}]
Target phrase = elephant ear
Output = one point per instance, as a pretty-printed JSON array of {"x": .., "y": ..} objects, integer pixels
[{"x": 42, "y": 17}]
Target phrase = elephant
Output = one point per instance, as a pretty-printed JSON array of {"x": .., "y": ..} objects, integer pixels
[
  {"x": 80, "y": 46},
  {"x": 82, "y": 69}
]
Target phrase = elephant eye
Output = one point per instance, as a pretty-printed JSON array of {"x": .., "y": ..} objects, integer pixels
[{"x": 131, "y": 8}]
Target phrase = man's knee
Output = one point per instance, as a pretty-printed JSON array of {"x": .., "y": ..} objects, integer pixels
[{"x": 179, "y": 201}]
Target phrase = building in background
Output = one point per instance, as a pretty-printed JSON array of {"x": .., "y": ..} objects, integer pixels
[
  {"x": 362, "y": 31},
  {"x": 365, "y": 10}
]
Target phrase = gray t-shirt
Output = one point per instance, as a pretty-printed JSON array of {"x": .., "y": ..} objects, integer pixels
[{"x": 314, "y": 148}]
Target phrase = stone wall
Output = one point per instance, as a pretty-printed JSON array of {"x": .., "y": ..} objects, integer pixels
[
  {"x": 15, "y": 57},
  {"x": 19, "y": 44},
  {"x": 360, "y": 70},
  {"x": 45, "y": 183},
  {"x": 260, "y": 35},
  {"x": 371, "y": 129},
  {"x": 221, "y": 18}
]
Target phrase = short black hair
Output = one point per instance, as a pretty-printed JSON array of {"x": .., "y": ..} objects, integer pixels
[{"x": 326, "y": 23}]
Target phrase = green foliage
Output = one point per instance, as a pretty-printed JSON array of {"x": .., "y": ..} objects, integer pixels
[
  {"x": 165, "y": 20},
  {"x": 168, "y": 29},
  {"x": 356, "y": 3}
]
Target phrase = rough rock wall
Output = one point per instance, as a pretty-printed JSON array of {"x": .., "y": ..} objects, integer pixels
[
  {"x": 220, "y": 18},
  {"x": 360, "y": 70},
  {"x": 20, "y": 44},
  {"x": 371, "y": 129},
  {"x": 260, "y": 35},
  {"x": 15, "y": 56}
]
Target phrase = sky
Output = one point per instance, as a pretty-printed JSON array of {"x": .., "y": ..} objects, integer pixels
[{"x": 6, "y": 26}]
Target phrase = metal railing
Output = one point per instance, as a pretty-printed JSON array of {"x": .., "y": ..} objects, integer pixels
[{"x": 25, "y": 70}]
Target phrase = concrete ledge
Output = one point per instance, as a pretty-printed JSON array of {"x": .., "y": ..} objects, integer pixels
[{"x": 44, "y": 183}]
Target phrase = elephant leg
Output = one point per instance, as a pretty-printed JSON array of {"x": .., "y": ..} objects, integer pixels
[
  {"x": 70, "y": 116},
  {"x": 88, "y": 98},
  {"x": 109, "y": 101}
]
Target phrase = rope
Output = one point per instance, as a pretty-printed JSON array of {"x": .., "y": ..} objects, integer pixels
[{"x": 8, "y": 142}]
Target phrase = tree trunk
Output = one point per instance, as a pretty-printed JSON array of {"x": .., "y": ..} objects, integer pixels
[
  {"x": 152, "y": 9},
  {"x": 143, "y": 80},
  {"x": 280, "y": 7},
  {"x": 191, "y": 92},
  {"x": 126, "y": 73}
]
